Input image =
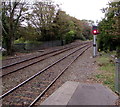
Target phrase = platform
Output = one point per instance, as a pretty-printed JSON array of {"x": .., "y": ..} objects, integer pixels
[{"x": 75, "y": 93}]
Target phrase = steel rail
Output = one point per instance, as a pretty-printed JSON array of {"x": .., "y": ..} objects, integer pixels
[
  {"x": 15, "y": 57},
  {"x": 19, "y": 68},
  {"x": 21, "y": 61},
  {"x": 24, "y": 55},
  {"x": 30, "y": 78},
  {"x": 43, "y": 92}
]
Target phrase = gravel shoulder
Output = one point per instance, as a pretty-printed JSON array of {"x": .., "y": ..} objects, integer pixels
[{"x": 82, "y": 70}]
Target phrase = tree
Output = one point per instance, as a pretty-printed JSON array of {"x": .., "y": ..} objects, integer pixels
[
  {"x": 62, "y": 22},
  {"x": 77, "y": 28},
  {"x": 65, "y": 23},
  {"x": 69, "y": 37},
  {"x": 110, "y": 27},
  {"x": 86, "y": 28},
  {"x": 28, "y": 33},
  {"x": 42, "y": 17},
  {"x": 12, "y": 15}
]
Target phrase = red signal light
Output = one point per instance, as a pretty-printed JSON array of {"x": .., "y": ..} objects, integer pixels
[{"x": 95, "y": 32}]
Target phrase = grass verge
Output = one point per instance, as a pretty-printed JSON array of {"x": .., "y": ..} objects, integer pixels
[{"x": 107, "y": 66}]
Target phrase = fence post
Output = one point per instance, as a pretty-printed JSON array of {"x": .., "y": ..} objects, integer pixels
[{"x": 117, "y": 76}]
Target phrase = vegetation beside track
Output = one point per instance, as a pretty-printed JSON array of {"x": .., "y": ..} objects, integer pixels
[
  {"x": 20, "y": 25},
  {"x": 106, "y": 64},
  {"x": 0, "y": 57},
  {"x": 109, "y": 27}
]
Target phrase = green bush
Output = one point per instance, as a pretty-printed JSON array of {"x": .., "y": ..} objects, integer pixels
[
  {"x": 20, "y": 44},
  {"x": 20, "y": 40},
  {"x": 69, "y": 37},
  {"x": 80, "y": 36},
  {"x": 33, "y": 42}
]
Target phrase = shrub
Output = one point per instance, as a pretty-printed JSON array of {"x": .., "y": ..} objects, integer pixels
[
  {"x": 33, "y": 42},
  {"x": 69, "y": 37},
  {"x": 20, "y": 40},
  {"x": 31, "y": 45}
]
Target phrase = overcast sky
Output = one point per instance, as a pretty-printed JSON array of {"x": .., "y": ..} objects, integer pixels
[{"x": 84, "y": 9}]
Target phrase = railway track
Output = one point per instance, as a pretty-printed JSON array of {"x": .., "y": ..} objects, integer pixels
[
  {"x": 18, "y": 57},
  {"x": 10, "y": 81},
  {"x": 24, "y": 60},
  {"x": 13, "y": 67},
  {"x": 6, "y": 63},
  {"x": 28, "y": 91}
]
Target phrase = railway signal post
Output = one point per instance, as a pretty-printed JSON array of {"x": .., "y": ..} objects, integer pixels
[{"x": 94, "y": 32}]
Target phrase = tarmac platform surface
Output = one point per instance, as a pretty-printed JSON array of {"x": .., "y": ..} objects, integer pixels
[{"x": 75, "y": 93}]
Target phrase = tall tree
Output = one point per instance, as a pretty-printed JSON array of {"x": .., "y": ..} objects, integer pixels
[
  {"x": 12, "y": 15},
  {"x": 86, "y": 28},
  {"x": 42, "y": 17},
  {"x": 65, "y": 24},
  {"x": 110, "y": 27},
  {"x": 62, "y": 22}
]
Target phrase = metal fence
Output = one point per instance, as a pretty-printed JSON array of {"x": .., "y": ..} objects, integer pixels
[
  {"x": 117, "y": 76},
  {"x": 32, "y": 46}
]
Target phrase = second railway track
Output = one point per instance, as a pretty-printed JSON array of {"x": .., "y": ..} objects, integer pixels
[
  {"x": 10, "y": 81},
  {"x": 27, "y": 91},
  {"x": 6, "y": 63},
  {"x": 13, "y": 67},
  {"x": 21, "y": 75}
]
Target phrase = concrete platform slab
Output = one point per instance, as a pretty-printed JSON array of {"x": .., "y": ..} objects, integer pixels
[
  {"x": 92, "y": 94},
  {"x": 62, "y": 95},
  {"x": 74, "y": 93}
]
